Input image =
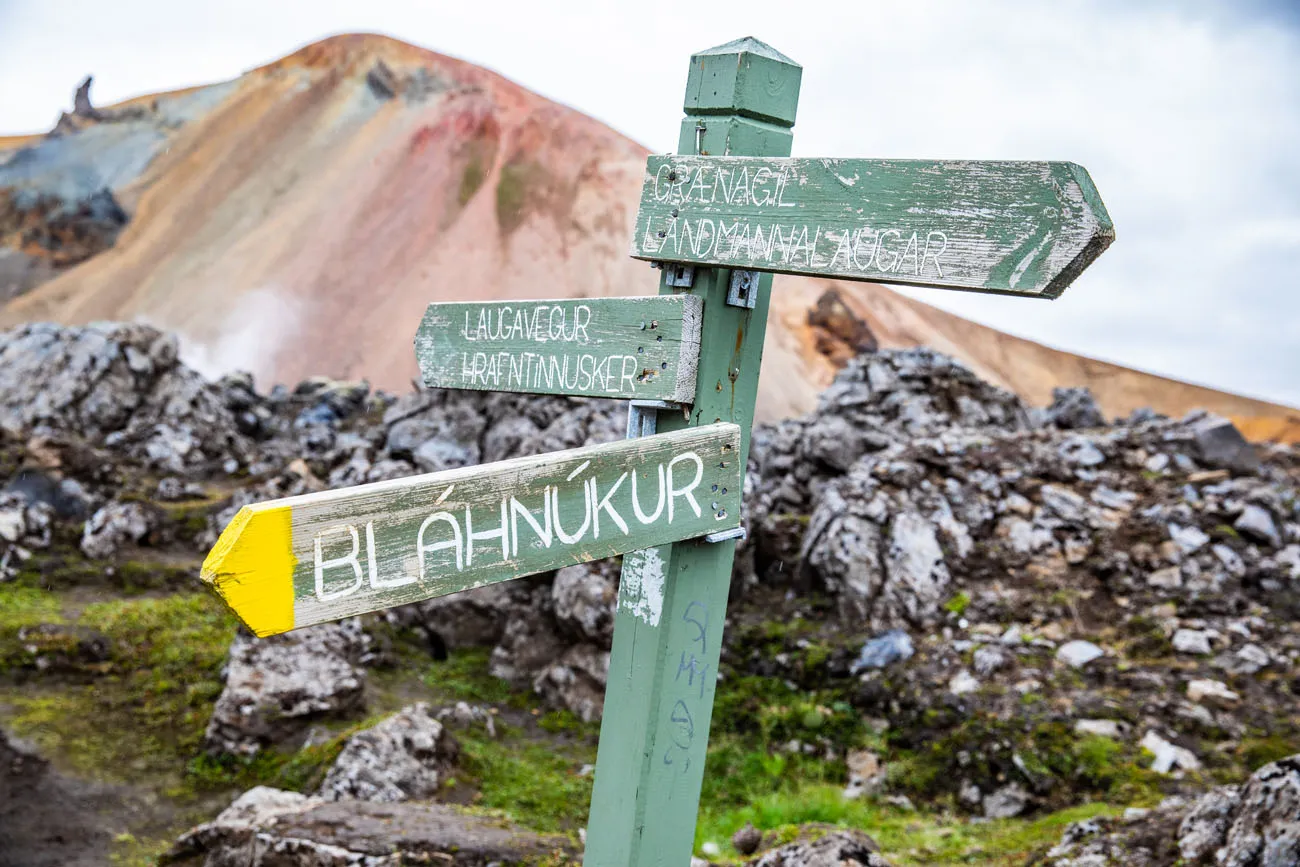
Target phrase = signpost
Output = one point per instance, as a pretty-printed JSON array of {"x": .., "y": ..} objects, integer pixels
[
  {"x": 730, "y": 208},
  {"x": 1016, "y": 228},
  {"x": 643, "y": 348},
  {"x": 319, "y": 557}
]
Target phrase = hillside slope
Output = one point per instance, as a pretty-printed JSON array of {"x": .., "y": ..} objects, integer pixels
[{"x": 297, "y": 220}]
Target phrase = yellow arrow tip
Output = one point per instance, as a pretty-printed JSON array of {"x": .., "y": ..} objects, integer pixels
[{"x": 251, "y": 569}]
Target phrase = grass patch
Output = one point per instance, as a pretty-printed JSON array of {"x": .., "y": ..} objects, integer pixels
[
  {"x": 1255, "y": 752},
  {"x": 146, "y": 713},
  {"x": 908, "y": 838},
  {"x": 958, "y": 604},
  {"x": 463, "y": 676},
  {"x": 535, "y": 782}
]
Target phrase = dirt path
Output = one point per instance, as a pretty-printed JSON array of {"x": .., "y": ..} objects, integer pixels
[{"x": 48, "y": 820}]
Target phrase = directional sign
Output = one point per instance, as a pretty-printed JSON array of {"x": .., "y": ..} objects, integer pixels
[
  {"x": 293, "y": 562},
  {"x": 644, "y": 348},
  {"x": 1020, "y": 228}
]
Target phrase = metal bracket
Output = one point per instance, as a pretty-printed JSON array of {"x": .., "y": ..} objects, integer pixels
[
  {"x": 737, "y": 533},
  {"x": 643, "y": 417},
  {"x": 743, "y": 290},
  {"x": 681, "y": 276}
]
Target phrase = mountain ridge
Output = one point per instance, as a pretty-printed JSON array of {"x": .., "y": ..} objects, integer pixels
[{"x": 297, "y": 219}]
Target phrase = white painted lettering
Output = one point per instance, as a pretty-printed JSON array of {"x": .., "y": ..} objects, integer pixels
[
  {"x": 423, "y": 549},
  {"x": 674, "y": 492},
  {"x": 350, "y": 559}
]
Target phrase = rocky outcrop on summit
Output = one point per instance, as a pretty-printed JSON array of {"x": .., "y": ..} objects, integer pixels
[{"x": 1253, "y": 825}]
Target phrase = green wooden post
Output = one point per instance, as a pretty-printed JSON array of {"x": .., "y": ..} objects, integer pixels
[{"x": 740, "y": 100}]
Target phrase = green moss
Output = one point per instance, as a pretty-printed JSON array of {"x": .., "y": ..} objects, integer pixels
[
  {"x": 1146, "y": 639},
  {"x": 471, "y": 179},
  {"x": 130, "y": 852},
  {"x": 958, "y": 604},
  {"x": 1255, "y": 752},
  {"x": 464, "y": 676},
  {"x": 300, "y": 770},
  {"x": 517, "y": 188},
  {"x": 565, "y": 722},
  {"x": 146, "y": 713},
  {"x": 537, "y": 783},
  {"x": 1066, "y": 768},
  {"x": 26, "y": 606}
]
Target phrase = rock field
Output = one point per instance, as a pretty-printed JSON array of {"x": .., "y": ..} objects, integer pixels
[{"x": 979, "y": 608}]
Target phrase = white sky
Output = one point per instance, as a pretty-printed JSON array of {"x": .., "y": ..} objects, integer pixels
[{"x": 1187, "y": 115}]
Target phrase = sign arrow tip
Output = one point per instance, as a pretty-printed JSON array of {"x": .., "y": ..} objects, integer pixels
[{"x": 251, "y": 568}]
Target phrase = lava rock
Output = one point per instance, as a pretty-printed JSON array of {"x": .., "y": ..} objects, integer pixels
[
  {"x": 1219, "y": 444},
  {"x": 1073, "y": 409},
  {"x": 275, "y": 687},
  {"x": 402, "y": 758},
  {"x": 113, "y": 526},
  {"x": 884, "y": 650},
  {"x": 1252, "y": 825},
  {"x": 268, "y": 827},
  {"x": 835, "y": 847}
]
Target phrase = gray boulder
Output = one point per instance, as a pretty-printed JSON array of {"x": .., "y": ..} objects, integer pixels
[
  {"x": 1257, "y": 524},
  {"x": 1219, "y": 444},
  {"x": 879, "y": 553},
  {"x": 1006, "y": 802},
  {"x": 115, "y": 525},
  {"x": 275, "y": 687},
  {"x": 402, "y": 758},
  {"x": 1073, "y": 409},
  {"x": 835, "y": 848},
  {"x": 585, "y": 599},
  {"x": 1252, "y": 825}
]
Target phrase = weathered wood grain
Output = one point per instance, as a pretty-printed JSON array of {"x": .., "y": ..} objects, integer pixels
[
  {"x": 293, "y": 562},
  {"x": 641, "y": 348},
  {"x": 1019, "y": 228}
]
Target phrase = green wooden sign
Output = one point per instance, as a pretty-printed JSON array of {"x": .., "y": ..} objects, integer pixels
[
  {"x": 639, "y": 347},
  {"x": 1020, "y": 228},
  {"x": 292, "y": 562}
]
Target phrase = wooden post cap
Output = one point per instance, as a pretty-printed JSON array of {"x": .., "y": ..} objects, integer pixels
[{"x": 745, "y": 77}]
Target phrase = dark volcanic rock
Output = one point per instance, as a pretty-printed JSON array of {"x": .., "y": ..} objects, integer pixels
[{"x": 1074, "y": 408}]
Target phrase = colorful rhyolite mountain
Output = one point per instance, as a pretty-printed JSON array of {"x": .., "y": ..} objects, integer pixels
[{"x": 297, "y": 220}]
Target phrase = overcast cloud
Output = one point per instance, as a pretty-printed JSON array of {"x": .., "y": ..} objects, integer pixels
[{"x": 1187, "y": 115}]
